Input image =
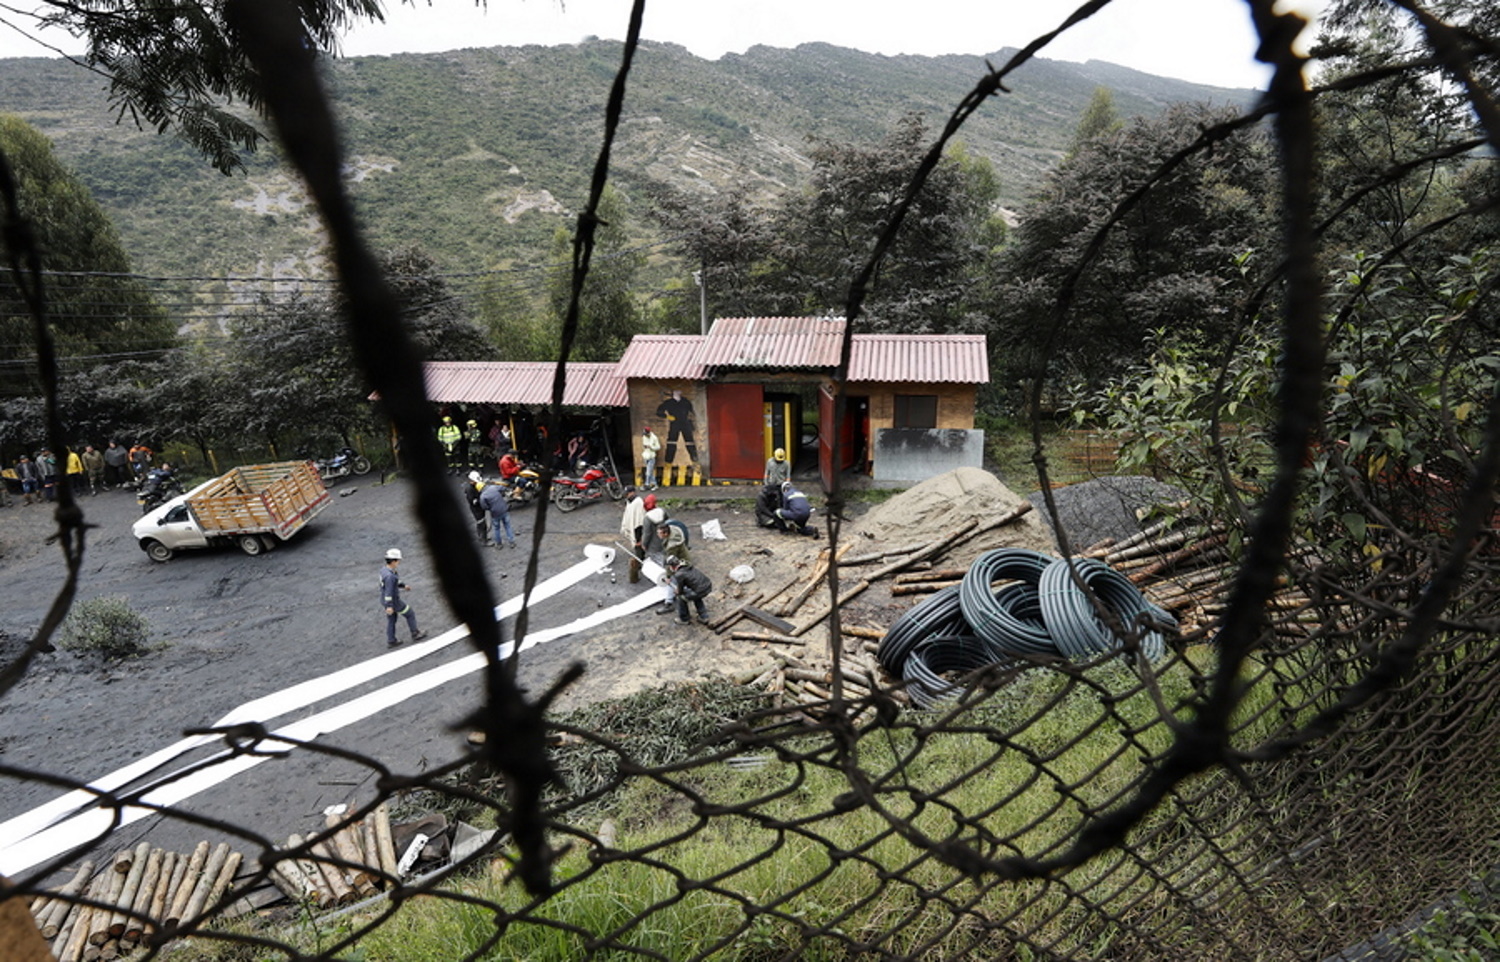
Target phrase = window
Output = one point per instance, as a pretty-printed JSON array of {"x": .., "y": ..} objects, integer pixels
[{"x": 916, "y": 411}]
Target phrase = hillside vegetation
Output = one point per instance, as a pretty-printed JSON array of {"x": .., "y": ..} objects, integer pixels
[{"x": 479, "y": 155}]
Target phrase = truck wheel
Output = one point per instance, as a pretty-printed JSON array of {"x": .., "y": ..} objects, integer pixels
[
  {"x": 250, "y": 544},
  {"x": 361, "y": 465},
  {"x": 567, "y": 502},
  {"x": 157, "y": 551}
]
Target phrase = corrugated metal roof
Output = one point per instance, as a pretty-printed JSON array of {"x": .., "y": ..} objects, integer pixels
[
  {"x": 662, "y": 357},
  {"x": 523, "y": 382},
  {"x": 923, "y": 358},
  {"x": 773, "y": 343}
]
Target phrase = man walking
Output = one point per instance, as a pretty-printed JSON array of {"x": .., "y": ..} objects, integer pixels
[
  {"x": 391, "y": 587},
  {"x": 93, "y": 465}
]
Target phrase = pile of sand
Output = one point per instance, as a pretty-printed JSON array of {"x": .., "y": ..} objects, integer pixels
[{"x": 941, "y": 505}]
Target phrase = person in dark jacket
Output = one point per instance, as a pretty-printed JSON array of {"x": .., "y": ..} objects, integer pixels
[
  {"x": 493, "y": 500},
  {"x": 688, "y": 584},
  {"x": 391, "y": 587},
  {"x": 472, "y": 486},
  {"x": 794, "y": 511}
]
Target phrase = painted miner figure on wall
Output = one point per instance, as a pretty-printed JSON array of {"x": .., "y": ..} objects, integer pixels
[{"x": 678, "y": 412}]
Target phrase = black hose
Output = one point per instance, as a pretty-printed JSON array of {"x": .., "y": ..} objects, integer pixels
[
  {"x": 1076, "y": 627},
  {"x": 939, "y": 614},
  {"x": 1001, "y": 623},
  {"x": 931, "y": 658}
]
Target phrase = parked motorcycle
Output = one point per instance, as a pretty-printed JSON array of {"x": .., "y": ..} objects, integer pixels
[
  {"x": 591, "y": 483},
  {"x": 160, "y": 486},
  {"x": 341, "y": 465}
]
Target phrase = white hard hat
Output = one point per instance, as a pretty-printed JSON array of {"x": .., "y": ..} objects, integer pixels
[
  {"x": 393, "y": 555},
  {"x": 474, "y": 476},
  {"x": 656, "y": 516}
]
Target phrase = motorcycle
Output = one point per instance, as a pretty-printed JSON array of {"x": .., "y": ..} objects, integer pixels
[
  {"x": 341, "y": 465},
  {"x": 592, "y": 483},
  {"x": 522, "y": 488},
  {"x": 159, "y": 487}
]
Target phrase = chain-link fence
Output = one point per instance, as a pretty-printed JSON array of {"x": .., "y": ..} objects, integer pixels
[{"x": 1262, "y": 729}]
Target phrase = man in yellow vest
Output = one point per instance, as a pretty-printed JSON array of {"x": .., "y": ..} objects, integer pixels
[{"x": 448, "y": 436}]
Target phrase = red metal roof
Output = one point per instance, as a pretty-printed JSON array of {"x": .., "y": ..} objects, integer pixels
[
  {"x": 523, "y": 382},
  {"x": 923, "y": 358},
  {"x": 773, "y": 343},
  {"x": 662, "y": 357}
]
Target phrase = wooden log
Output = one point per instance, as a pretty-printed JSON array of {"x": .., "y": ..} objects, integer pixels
[
  {"x": 74, "y": 934},
  {"x": 314, "y": 873},
  {"x": 338, "y": 884},
  {"x": 933, "y": 549},
  {"x": 933, "y": 574},
  {"x": 102, "y": 921},
  {"x": 345, "y": 844},
  {"x": 1155, "y": 546},
  {"x": 205, "y": 883},
  {"x": 163, "y": 894},
  {"x": 1147, "y": 533},
  {"x": 383, "y": 837},
  {"x": 857, "y": 631},
  {"x": 50, "y": 922},
  {"x": 923, "y": 588},
  {"x": 767, "y": 639},
  {"x": 844, "y": 598},
  {"x": 140, "y": 905},
  {"x": 371, "y": 849},
  {"x": 225, "y": 879},
  {"x": 298, "y": 887},
  {"x": 748, "y": 676},
  {"x": 189, "y": 880},
  {"x": 110, "y": 950}
]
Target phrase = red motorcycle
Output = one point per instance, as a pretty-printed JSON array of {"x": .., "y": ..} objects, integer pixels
[{"x": 592, "y": 483}]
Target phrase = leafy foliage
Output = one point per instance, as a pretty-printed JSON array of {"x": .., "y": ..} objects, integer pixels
[
  {"x": 96, "y": 312},
  {"x": 1171, "y": 263},
  {"x": 106, "y": 626}
]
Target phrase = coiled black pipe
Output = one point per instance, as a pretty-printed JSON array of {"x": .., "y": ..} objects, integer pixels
[{"x": 1076, "y": 627}]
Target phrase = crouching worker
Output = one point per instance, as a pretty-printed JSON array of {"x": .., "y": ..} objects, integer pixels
[
  {"x": 766, "y": 504},
  {"x": 794, "y": 511},
  {"x": 686, "y": 584}
]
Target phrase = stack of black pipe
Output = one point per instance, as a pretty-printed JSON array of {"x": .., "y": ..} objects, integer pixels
[{"x": 1043, "y": 606}]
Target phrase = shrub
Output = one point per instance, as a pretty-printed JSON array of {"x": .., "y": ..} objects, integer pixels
[{"x": 106, "y": 625}]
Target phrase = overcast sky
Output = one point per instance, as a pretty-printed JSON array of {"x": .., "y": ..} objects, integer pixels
[{"x": 1207, "y": 41}]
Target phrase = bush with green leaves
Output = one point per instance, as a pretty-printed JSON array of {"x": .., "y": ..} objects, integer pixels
[{"x": 108, "y": 626}]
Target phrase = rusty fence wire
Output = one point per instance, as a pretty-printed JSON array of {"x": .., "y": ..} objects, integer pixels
[{"x": 1269, "y": 741}]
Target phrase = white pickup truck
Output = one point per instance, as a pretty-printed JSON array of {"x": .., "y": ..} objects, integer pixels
[{"x": 254, "y": 507}]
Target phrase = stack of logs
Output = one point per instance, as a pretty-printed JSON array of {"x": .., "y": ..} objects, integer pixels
[
  {"x": 795, "y": 677},
  {"x": 1181, "y": 566},
  {"x": 108, "y": 913}
]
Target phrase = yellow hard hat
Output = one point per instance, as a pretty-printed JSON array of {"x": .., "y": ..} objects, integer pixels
[{"x": 781, "y": 454}]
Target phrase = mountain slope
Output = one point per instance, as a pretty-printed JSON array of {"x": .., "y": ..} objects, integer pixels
[{"x": 480, "y": 155}]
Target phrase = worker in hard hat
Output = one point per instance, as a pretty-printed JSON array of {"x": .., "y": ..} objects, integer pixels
[
  {"x": 391, "y": 587},
  {"x": 778, "y": 469},
  {"x": 448, "y": 436}
]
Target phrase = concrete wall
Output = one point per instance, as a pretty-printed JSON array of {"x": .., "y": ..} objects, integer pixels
[{"x": 913, "y": 455}]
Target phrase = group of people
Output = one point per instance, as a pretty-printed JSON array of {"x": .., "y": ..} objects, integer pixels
[
  {"x": 655, "y": 537},
  {"x": 780, "y": 503},
  {"x": 89, "y": 470}
]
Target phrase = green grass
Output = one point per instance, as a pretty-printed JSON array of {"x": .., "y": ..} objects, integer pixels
[{"x": 755, "y": 863}]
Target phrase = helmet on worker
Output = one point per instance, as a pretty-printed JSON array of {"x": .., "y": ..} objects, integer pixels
[
  {"x": 674, "y": 562},
  {"x": 393, "y": 555},
  {"x": 780, "y": 454}
]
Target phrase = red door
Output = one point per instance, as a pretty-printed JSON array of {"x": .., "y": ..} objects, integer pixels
[{"x": 736, "y": 431}]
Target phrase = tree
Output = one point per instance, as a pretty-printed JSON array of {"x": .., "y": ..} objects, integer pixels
[
  {"x": 1171, "y": 263},
  {"x": 182, "y": 67},
  {"x": 98, "y": 314},
  {"x": 1099, "y": 120},
  {"x": 608, "y": 314}
]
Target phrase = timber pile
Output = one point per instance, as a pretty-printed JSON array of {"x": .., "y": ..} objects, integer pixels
[
  {"x": 135, "y": 900},
  {"x": 1180, "y": 565}
]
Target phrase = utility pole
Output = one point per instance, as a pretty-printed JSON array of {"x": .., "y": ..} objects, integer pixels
[{"x": 702, "y": 302}]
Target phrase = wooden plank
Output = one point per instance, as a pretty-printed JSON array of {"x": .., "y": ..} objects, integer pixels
[{"x": 767, "y": 620}]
